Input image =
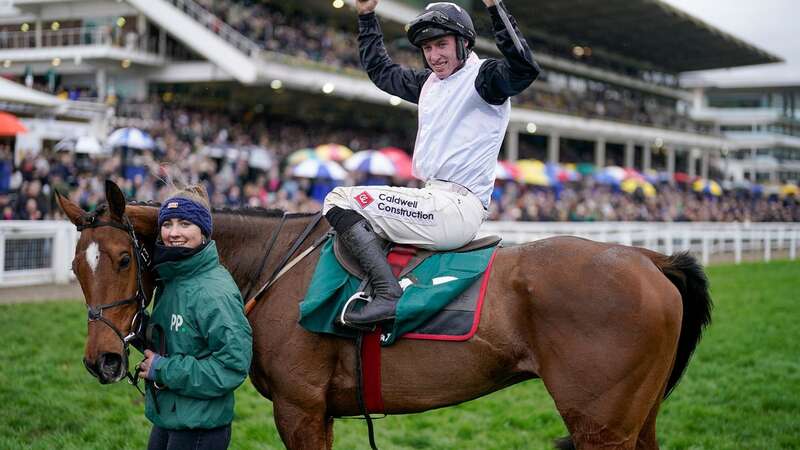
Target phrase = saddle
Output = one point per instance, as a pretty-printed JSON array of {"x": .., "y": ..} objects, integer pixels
[{"x": 416, "y": 254}]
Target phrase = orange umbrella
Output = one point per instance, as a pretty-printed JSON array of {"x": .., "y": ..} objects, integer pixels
[{"x": 10, "y": 125}]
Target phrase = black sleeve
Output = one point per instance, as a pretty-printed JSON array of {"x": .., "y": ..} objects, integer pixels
[
  {"x": 393, "y": 78},
  {"x": 499, "y": 79}
]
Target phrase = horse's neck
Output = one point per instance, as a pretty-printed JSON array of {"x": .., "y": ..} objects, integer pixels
[{"x": 243, "y": 241}]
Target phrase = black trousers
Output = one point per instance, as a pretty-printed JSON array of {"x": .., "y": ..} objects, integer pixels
[{"x": 210, "y": 439}]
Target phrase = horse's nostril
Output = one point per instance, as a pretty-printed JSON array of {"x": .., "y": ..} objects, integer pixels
[{"x": 110, "y": 365}]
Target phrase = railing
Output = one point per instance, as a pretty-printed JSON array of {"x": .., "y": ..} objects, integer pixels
[
  {"x": 73, "y": 37},
  {"x": 36, "y": 252},
  {"x": 39, "y": 252},
  {"x": 217, "y": 26},
  {"x": 712, "y": 241}
]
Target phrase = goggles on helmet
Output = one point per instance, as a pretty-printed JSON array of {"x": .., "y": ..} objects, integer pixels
[{"x": 429, "y": 25}]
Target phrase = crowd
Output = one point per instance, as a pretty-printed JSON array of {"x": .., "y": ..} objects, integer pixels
[
  {"x": 590, "y": 202},
  {"x": 26, "y": 192}
]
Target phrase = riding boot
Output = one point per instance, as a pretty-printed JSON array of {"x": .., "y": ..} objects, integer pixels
[{"x": 367, "y": 249}]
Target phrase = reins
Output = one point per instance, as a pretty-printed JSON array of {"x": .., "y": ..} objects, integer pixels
[{"x": 282, "y": 266}]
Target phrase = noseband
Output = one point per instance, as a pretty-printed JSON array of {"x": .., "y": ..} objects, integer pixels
[{"x": 137, "y": 335}]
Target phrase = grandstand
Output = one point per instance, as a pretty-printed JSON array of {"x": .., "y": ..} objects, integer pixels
[
  {"x": 610, "y": 92},
  {"x": 762, "y": 122}
]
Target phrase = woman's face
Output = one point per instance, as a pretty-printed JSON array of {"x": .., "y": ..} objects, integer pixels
[{"x": 181, "y": 233}]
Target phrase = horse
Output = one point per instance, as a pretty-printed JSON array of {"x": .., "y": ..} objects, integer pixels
[{"x": 609, "y": 329}]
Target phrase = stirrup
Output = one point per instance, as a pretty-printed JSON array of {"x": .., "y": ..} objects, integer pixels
[{"x": 358, "y": 296}]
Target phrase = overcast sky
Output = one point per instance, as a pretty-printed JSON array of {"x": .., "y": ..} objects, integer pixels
[{"x": 766, "y": 24}]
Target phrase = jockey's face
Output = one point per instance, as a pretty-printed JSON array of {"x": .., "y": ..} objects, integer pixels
[
  {"x": 181, "y": 233},
  {"x": 441, "y": 55}
]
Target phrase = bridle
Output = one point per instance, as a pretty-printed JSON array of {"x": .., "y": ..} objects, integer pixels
[{"x": 138, "y": 327}]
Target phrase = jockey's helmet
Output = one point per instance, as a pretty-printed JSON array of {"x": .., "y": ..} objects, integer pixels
[{"x": 442, "y": 19}]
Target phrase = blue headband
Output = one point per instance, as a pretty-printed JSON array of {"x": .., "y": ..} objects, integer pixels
[{"x": 183, "y": 208}]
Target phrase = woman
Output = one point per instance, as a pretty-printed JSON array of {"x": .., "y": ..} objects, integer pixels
[{"x": 202, "y": 339}]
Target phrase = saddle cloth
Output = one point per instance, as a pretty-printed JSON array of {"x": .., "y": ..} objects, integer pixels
[{"x": 442, "y": 295}]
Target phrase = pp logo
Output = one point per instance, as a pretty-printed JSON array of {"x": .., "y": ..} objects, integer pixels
[
  {"x": 364, "y": 199},
  {"x": 176, "y": 322}
]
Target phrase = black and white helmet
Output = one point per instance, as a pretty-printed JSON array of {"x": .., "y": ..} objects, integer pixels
[{"x": 442, "y": 19}]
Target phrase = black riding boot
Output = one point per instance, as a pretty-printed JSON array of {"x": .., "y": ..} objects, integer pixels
[{"x": 366, "y": 247}]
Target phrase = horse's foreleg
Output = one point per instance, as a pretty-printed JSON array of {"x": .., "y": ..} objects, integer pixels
[{"x": 303, "y": 427}]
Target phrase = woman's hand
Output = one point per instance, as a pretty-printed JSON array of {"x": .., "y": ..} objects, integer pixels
[
  {"x": 144, "y": 366},
  {"x": 488, "y": 3},
  {"x": 366, "y": 6}
]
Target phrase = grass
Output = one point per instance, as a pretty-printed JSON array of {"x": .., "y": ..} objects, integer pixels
[{"x": 741, "y": 391}]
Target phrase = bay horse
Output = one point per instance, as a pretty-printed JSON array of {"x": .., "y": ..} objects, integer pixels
[{"x": 608, "y": 328}]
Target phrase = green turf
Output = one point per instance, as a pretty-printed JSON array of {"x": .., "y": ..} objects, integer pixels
[{"x": 741, "y": 391}]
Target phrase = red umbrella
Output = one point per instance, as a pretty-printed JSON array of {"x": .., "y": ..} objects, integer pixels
[
  {"x": 401, "y": 160},
  {"x": 10, "y": 125}
]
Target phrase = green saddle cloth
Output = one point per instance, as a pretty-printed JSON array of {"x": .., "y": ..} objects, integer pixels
[{"x": 436, "y": 281}]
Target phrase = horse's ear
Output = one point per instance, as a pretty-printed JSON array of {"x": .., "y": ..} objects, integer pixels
[
  {"x": 116, "y": 200},
  {"x": 144, "y": 219},
  {"x": 75, "y": 213}
]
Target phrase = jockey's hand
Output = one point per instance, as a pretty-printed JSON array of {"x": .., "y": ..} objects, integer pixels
[
  {"x": 366, "y": 6},
  {"x": 488, "y": 3}
]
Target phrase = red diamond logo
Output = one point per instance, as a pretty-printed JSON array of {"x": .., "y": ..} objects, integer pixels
[{"x": 364, "y": 199}]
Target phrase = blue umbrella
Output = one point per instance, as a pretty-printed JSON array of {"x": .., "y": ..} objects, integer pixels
[{"x": 131, "y": 138}]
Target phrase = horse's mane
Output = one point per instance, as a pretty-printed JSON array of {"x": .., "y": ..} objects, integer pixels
[{"x": 249, "y": 211}]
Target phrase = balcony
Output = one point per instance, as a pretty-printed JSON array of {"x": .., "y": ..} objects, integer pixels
[{"x": 79, "y": 43}]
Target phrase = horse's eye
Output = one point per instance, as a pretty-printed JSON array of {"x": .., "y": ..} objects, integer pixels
[{"x": 124, "y": 262}]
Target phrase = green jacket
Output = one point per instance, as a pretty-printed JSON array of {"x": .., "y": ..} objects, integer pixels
[{"x": 209, "y": 343}]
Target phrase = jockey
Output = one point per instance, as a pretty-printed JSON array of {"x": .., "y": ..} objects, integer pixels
[{"x": 463, "y": 115}]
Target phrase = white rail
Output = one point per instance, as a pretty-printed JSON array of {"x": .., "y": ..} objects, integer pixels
[
  {"x": 40, "y": 252},
  {"x": 709, "y": 240}
]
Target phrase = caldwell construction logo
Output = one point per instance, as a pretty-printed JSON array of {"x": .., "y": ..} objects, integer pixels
[{"x": 364, "y": 199}]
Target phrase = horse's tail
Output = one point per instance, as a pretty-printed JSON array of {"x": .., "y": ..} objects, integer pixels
[{"x": 683, "y": 270}]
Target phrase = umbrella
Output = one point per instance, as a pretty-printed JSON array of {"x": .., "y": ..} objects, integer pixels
[
  {"x": 10, "y": 125},
  {"x": 317, "y": 168},
  {"x": 371, "y": 162},
  {"x": 790, "y": 189},
  {"x": 707, "y": 187},
  {"x": 532, "y": 171},
  {"x": 632, "y": 184},
  {"x": 260, "y": 158},
  {"x": 132, "y": 138},
  {"x": 564, "y": 173},
  {"x": 610, "y": 175},
  {"x": 506, "y": 170},
  {"x": 84, "y": 144},
  {"x": 401, "y": 160},
  {"x": 301, "y": 155},
  {"x": 333, "y": 152},
  {"x": 682, "y": 177}
]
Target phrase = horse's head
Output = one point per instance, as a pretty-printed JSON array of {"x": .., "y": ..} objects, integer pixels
[{"x": 110, "y": 264}]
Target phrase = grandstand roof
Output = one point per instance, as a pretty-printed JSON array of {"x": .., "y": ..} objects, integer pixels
[{"x": 647, "y": 30}]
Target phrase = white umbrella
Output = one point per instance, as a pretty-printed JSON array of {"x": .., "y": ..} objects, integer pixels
[
  {"x": 372, "y": 162},
  {"x": 317, "y": 168},
  {"x": 131, "y": 137},
  {"x": 89, "y": 145},
  {"x": 260, "y": 158}
]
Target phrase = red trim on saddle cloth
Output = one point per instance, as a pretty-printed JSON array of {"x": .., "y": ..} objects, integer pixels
[
  {"x": 371, "y": 346},
  {"x": 398, "y": 258},
  {"x": 476, "y": 321}
]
